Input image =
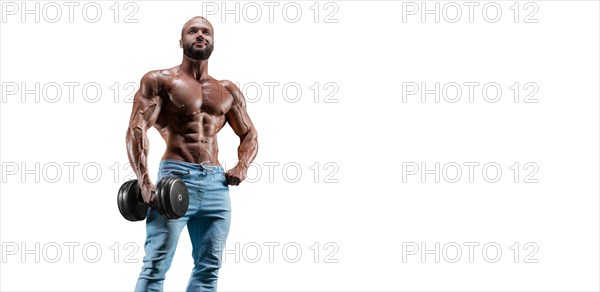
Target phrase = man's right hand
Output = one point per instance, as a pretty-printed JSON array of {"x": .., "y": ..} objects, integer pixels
[{"x": 148, "y": 193}]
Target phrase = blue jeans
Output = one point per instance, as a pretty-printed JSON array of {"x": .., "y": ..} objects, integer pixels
[{"x": 207, "y": 219}]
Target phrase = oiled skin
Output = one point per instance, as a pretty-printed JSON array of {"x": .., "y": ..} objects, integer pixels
[{"x": 189, "y": 108}]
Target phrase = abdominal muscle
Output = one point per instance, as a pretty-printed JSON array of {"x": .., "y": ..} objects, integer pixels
[{"x": 192, "y": 138}]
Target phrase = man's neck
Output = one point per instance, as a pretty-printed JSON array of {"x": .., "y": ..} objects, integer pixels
[{"x": 198, "y": 69}]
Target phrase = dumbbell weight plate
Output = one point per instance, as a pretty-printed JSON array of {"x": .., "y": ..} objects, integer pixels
[
  {"x": 130, "y": 205},
  {"x": 172, "y": 197}
]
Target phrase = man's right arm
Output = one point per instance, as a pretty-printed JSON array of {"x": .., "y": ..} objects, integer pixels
[{"x": 146, "y": 108}]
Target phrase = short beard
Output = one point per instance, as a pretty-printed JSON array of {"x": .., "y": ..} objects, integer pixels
[{"x": 189, "y": 51}]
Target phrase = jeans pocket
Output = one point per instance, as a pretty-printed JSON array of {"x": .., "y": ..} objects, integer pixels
[{"x": 224, "y": 180}]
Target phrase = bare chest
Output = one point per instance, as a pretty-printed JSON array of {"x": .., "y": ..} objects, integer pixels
[{"x": 193, "y": 97}]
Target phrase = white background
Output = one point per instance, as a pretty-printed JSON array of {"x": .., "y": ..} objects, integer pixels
[{"x": 360, "y": 203}]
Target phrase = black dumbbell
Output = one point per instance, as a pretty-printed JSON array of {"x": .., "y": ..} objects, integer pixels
[{"x": 172, "y": 199}]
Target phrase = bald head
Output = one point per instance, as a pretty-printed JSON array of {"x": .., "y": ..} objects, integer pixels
[{"x": 195, "y": 19}]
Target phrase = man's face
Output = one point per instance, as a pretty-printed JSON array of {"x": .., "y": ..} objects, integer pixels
[{"x": 197, "y": 39}]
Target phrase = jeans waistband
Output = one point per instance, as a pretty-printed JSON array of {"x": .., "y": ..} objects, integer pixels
[{"x": 203, "y": 166}]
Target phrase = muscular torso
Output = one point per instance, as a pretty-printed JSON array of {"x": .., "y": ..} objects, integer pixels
[{"x": 192, "y": 113}]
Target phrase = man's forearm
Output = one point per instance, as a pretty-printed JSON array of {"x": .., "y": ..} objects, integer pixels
[
  {"x": 248, "y": 149},
  {"x": 137, "y": 151}
]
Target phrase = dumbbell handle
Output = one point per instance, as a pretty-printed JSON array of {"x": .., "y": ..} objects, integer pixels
[{"x": 141, "y": 196}]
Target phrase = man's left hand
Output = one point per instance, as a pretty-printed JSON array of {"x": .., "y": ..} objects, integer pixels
[{"x": 236, "y": 175}]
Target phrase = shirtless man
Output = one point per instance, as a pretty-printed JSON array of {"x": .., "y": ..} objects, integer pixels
[{"x": 188, "y": 108}]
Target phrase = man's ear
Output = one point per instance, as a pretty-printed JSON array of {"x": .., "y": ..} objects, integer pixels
[{"x": 180, "y": 44}]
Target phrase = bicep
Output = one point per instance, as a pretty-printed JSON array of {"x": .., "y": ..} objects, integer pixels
[
  {"x": 237, "y": 116},
  {"x": 238, "y": 119},
  {"x": 146, "y": 103}
]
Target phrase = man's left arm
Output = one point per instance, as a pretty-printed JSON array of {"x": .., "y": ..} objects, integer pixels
[{"x": 239, "y": 120}]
